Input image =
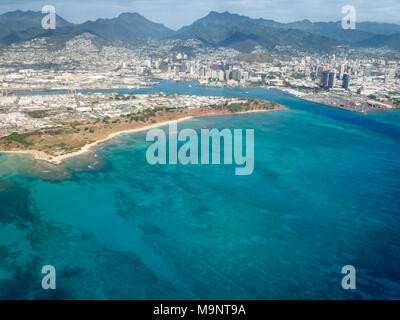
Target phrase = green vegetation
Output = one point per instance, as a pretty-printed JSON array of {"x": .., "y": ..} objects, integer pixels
[
  {"x": 38, "y": 114},
  {"x": 183, "y": 50},
  {"x": 235, "y": 107},
  {"x": 273, "y": 75},
  {"x": 120, "y": 97},
  {"x": 163, "y": 66},
  {"x": 20, "y": 138},
  {"x": 396, "y": 102},
  {"x": 246, "y": 105},
  {"x": 54, "y": 132},
  {"x": 298, "y": 75}
]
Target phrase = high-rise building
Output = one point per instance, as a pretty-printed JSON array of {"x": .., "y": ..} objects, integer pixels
[
  {"x": 235, "y": 75},
  {"x": 324, "y": 78},
  {"x": 332, "y": 79},
  {"x": 341, "y": 71},
  {"x": 346, "y": 80},
  {"x": 227, "y": 75},
  {"x": 389, "y": 76},
  {"x": 221, "y": 76},
  {"x": 203, "y": 72},
  {"x": 318, "y": 72},
  {"x": 216, "y": 66},
  {"x": 367, "y": 70}
]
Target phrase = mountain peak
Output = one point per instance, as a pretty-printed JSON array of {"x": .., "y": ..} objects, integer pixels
[
  {"x": 18, "y": 13},
  {"x": 213, "y": 12},
  {"x": 215, "y": 17},
  {"x": 16, "y": 21},
  {"x": 225, "y": 14},
  {"x": 130, "y": 15}
]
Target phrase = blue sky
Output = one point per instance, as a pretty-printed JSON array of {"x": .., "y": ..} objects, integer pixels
[{"x": 177, "y": 13}]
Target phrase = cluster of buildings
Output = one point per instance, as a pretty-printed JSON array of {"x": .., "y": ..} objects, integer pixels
[
  {"x": 33, "y": 112},
  {"x": 362, "y": 71},
  {"x": 83, "y": 65},
  {"x": 354, "y": 80}
]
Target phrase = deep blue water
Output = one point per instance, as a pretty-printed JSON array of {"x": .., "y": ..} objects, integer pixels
[{"x": 325, "y": 193}]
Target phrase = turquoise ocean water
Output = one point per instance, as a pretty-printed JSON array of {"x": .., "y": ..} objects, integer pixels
[{"x": 325, "y": 193}]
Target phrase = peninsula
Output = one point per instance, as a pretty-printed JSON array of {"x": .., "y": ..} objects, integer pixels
[{"x": 68, "y": 133}]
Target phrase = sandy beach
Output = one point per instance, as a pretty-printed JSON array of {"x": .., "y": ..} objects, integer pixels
[{"x": 40, "y": 155}]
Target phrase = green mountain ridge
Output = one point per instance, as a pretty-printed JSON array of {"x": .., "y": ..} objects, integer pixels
[
  {"x": 19, "y": 21},
  {"x": 216, "y": 29},
  {"x": 130, "y": 28},
  {"x": 244, "y": 34}
]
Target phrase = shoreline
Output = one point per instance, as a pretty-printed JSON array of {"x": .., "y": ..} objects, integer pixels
[
  {"x": 332, "y": 106},
  {"x": 57, "y": 160}
]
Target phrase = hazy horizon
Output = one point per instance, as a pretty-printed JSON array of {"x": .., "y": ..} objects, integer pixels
[{"x": 178, "y": 13}]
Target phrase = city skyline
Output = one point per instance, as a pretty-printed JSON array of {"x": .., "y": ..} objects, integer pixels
[{"x": 164, "y": 11}]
